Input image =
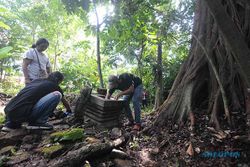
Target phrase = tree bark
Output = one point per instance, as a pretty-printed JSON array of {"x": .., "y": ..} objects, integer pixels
[
  {"x": 138, "y": 58},
  {"x": 221, "y": 46},
  {"x": 233, "y": 38},
  {"x": 1, "y": 70},
  {"x": 159, "y": 82},
  {"x": 98, "y": 55},
  {"x": 56, "y": 50}
]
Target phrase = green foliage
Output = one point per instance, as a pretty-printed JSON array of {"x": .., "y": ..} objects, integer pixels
[
  {"x": 79, "y": 73},
  {"x": 74, "y": 5},
  {"x": 147, "y": 110},
  {"x": 3, "y": 14},
  {"x": 134, "y": 144},
  {"x": 129, "y": 39},
  {"x": 5, "y": 26},
  {"x": 4, "y": 52},
  {"x": 68, "y": 135},
  {"x": 138, "y": 26},
  {"x": 11, "y": 85}
]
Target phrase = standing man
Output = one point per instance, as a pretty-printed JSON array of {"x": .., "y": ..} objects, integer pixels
[
  {"x": 131, "y": 87},
  {"x": 35, "y": 63},
  {"x": 35, "y": 103}
]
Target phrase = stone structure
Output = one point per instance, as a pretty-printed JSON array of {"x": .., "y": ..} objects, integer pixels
[{"x": 104, "y": 112}]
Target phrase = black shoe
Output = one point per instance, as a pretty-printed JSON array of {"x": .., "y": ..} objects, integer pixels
[
  {"x": 39, "y": 126},
  {"x": 9, "y": 126},
  {"x": 7, "y": 129}
]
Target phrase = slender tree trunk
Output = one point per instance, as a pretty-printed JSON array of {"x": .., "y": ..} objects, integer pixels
[
  {"x": 98, "y": 55},
  {"x": 139, "y": 58},
  {"x": 158, "y": 78},
  {"x": 56, "y": 54},
  {"x": 1, "y": 71},
  {"x": 33, "y": 34}
]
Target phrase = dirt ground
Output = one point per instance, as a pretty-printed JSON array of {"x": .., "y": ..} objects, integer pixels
[{"x": 164, "y": 146}]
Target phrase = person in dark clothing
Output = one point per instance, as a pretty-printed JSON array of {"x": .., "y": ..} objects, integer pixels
[
  {"x": 35, "y": 103},
  {"x": 144, "y": 98},
  {"x": 131, "y": 87}
]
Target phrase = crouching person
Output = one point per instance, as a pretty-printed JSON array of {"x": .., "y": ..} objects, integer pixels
[
  {"x": 35, "y": 103},
  {"x": 131, "y": 88}
]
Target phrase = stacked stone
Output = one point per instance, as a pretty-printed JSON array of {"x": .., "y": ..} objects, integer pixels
[{"x": 103, "y": 111}]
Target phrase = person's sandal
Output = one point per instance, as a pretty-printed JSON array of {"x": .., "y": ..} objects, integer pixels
[{"x": 137, "y": 127}]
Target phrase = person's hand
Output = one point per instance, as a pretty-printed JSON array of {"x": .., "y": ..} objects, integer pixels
[
  {"x": 27, "y": 80},
  {"x": 118, "y": 96}
]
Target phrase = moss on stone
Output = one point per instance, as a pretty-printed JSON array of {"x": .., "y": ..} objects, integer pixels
[
  {"x": 67, "y": 135},
  {"x": 49, "y": 151}
]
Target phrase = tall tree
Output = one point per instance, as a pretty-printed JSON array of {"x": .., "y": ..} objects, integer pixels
[
  {"x": 58, "y": 26},
  {"x": 212, "y": 76},
  {"x": 158, "y": 77},
  {"x": 98, "y": 53},
  {"x": 87, "y": 5},
  {"x": 164, "y": 32},
  {"x": 126, "y": 33},
  {"x": 132, "y": 32}
]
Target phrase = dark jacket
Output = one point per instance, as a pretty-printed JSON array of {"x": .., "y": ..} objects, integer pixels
[
  {"x": 127, "y": 80},
  {"x": 20, "y": 107}
]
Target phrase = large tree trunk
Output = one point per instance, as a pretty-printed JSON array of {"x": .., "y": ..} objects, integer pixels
[
  {"x": 216, "y": 70},
  {"x": 233, "y": 37}
]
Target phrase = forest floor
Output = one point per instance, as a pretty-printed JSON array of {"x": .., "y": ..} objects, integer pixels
[{"x": 165, "y": 146}]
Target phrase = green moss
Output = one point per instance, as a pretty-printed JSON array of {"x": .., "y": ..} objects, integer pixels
[
  {"x": 2, "y": 118},
  {"x": 48, "y": 151},
  {"x": 68, "y": 135}
]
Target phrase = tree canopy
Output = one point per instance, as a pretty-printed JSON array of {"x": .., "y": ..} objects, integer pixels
[{"x": 128, "y": 35}]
